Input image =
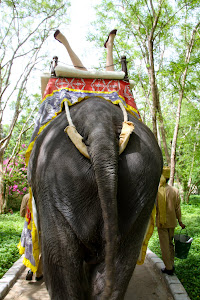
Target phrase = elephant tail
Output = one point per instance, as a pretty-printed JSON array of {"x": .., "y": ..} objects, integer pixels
[{"x": 104, "y": 159}]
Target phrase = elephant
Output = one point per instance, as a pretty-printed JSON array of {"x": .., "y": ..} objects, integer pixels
[{"x": 93, "y": 213}]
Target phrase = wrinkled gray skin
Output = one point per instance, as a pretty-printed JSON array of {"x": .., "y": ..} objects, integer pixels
[{"x": 79, "y": 246}]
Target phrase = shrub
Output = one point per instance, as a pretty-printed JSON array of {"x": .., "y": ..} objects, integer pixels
[
  {"x": 15, "y": 180},
  {"x": 11, "y": 226}
]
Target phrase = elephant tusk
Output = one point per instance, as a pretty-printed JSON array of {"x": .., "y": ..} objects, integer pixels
[
  {"x": 77, "y": 140},
  {"x": 73, "y": 134},
  {"x": 69, "y": 119},
  {"x": 124, "y": 112},
  {"x": 127, "y": 129}
]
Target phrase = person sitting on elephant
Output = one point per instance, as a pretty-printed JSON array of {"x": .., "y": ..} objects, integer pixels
[{"x": 75, "y": 59}]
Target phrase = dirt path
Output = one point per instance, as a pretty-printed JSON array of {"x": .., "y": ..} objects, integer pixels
[{"x": 146, "y": 284}]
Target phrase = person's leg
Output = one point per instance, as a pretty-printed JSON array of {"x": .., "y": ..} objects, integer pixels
[
  {"x": 171, "y": 245},
  {"x": 165, "y": 248},
  {"x": 109, "y": 46},
  {"x": 74, "y": 58}
]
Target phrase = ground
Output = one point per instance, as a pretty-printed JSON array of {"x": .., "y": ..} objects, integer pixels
[{"x": 146, "y": 284}]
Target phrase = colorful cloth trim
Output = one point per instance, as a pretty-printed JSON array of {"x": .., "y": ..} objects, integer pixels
[{"x": 29, "y": 243}]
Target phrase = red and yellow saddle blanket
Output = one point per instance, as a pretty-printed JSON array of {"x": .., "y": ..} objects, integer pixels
[{"x": 74, "y": 90}]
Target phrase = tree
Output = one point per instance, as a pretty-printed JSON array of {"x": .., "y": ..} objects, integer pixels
[
  {"x": 188, "y": 150},
  {"x": 146, "y": 31},
  {"x": 25, "y": 26},
  {"x": 160, "y": 38},
  {"x": 189, "y": 45}
]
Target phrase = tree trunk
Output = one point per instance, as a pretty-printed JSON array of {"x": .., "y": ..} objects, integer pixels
[
  {"x": 162, "y": 128},
  {"x": 187, "y": 197},
  {"x": 159, "y": 138},
  {"x": 190, "y": 176},
  {"x": 151, "y": 72},
  {"x": 174, "y": 141},
  {"x": 147, "y": 99}
]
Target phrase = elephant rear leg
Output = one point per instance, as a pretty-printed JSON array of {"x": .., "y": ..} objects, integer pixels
[
  {"x": 63, "y": 263},
  {"x": 126, "y": 259},
  {"x": 124, "y": 273}
]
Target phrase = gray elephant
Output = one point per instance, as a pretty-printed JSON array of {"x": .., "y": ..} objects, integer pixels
[{"x": 93, "y": 213}]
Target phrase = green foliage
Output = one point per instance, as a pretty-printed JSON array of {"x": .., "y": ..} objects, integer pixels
[
  {"x": 29, "y": 108},
  {"x": 15, "y": 180},
  {"x": 188, "y": 150},
  {"x": 170, "y": 37},
  {"x": 187, "y": 270},
  {"x": 11, "y": 226},
  {"x": 14, "y": 169},
  {"x": 25, "y": 27}
]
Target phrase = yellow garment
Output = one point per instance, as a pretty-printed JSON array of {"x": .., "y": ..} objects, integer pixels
[
  {"x": 148, "y": 234},
  {"x": 173, "y": 208},
  {"x": 161, "y": 200}
]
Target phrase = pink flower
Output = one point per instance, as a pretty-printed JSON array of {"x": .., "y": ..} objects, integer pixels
[
  {"x": 24, "y": 189},
  {"x": 6, "y": 161},
  {"x": 15, "y": 187},
  {"x": 23, "y": 145}
]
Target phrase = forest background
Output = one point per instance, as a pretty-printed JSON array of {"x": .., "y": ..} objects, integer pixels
[{"x": 160, "y": 39}]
